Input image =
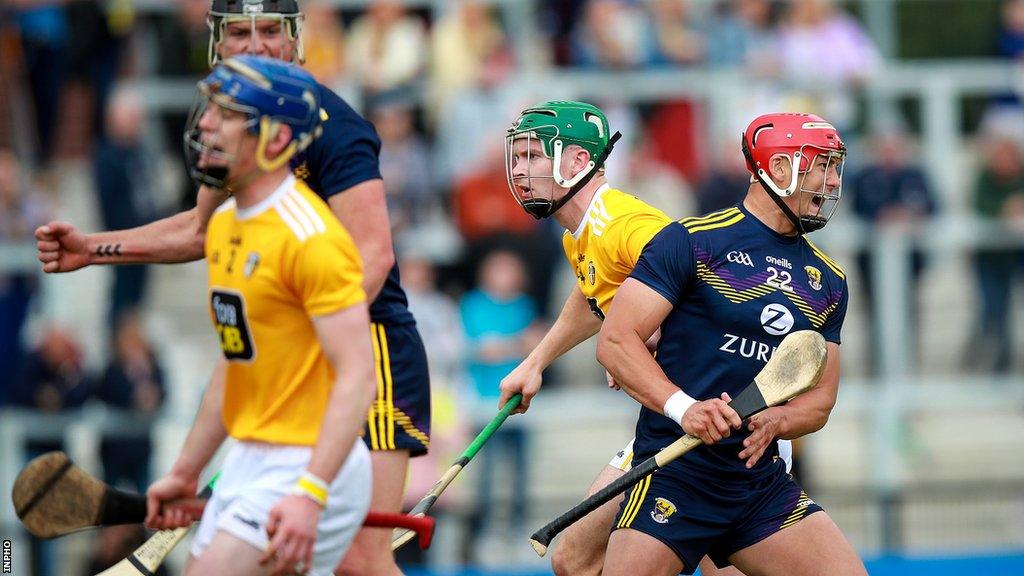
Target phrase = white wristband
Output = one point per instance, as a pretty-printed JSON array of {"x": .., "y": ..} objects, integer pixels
[{"x": 676, "y": 406}]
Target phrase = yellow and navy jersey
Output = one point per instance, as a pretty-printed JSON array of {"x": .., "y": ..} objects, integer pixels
[
  {"x": 347, "y": 154},
  {"x": 737, "y": 288},
  {"x": 272, "y": 268},
  {"x": 608, "y": 243}
]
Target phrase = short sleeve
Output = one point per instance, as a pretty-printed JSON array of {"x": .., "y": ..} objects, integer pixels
[
  {"x": 834, "y": 322},
  {"x": 666, "y": 264},
  {"x": 346, "y": 153},
  {"x": 327, "y": 275},
  {"x": 636, "y": 232}
]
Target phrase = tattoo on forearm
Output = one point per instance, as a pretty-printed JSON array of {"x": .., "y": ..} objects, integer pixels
[{"x": 108, "y": 250}]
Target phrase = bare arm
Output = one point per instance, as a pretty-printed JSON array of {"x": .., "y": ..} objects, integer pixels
[
  {"x": 177, "y": 238},
  {"x": 208, "y": 432},
  {"x": 802, "y": 415},
  {"x": 291, "y": 525},
  {"x": 204, "y": 438},
  {"x": 345, "y": 338},
  {"x": 364, "y": 213},
  {"x": 809, "y": 412},
  {"x": 575, "y": 324},
  {"x": 636, "y": 314}
]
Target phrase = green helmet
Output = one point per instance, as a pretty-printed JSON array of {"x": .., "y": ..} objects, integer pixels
[{"x": 558, "y": 124}]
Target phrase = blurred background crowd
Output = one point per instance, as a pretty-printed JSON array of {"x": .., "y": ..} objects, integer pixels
[{"x": 920, "y": 454}]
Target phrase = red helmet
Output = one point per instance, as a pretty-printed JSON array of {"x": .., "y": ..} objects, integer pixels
[
  {"x": 792, "y": 135},
  {"x": 801, "y": 138}
]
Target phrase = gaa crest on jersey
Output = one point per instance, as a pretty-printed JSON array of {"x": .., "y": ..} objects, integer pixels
[
  {"x": 251, "y": 263},
  {"x": 591, "y": 273},
  {"x": 663, "y": 509},
  {"x": 813, "y": 277},
  {"x": 228, "y": 310}
]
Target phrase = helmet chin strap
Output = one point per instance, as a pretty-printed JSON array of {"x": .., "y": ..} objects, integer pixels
[
  {"x": 542, "y": 208},
  {"x": 803, "y": 224}
]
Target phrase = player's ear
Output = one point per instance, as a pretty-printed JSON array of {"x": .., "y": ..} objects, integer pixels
[
  {"x": 580, "y": 158},
  {"x": 280, "y": 137},
  {"x": 778, "y": 168}
]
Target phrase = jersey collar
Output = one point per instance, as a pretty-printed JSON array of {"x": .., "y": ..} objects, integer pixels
[
  {"x": 586, "y": 215},
  {"x": 780, "y": 237},
  {"x": 252, "y": 211}
]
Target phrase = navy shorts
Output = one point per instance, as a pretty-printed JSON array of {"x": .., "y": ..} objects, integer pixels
[
  {"x": 695, "y": 515},
  {"x": 399, "y": 419}
]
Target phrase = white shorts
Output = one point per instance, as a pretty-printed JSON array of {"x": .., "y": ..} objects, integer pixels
[
  {"x": 256, "y": 476},
  {"x": 623, "y": 459}
]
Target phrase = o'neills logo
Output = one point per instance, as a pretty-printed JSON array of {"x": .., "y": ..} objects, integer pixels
[{"x": 778, "y": 262}]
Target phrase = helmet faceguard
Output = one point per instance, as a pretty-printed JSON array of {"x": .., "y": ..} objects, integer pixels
[
  {"x": 270, "y": 93},
  {"x": 556, "y": 125},
  {"x": 223, "y": 12},
  {"x": 810, "y": 144}
]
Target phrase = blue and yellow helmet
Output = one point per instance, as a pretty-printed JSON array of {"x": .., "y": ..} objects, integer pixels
[{"x": 270, "y": 93}]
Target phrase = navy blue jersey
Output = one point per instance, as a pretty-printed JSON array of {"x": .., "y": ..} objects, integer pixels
[
  {"x": 737, "y": 288},
  {"x": 346, "y": 154}
]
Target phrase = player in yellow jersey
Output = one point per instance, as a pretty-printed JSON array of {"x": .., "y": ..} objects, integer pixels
[
  {"x": 556, "y": 152},
  {"x": 297, "y": 374}
]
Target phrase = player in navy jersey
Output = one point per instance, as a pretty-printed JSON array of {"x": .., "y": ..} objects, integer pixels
[
  {"x": 554, "y": 170},
  {"x": 341, "y": 166},
  {"x": 725, "y": 289}
]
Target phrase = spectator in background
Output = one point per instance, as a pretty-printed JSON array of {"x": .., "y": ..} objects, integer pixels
[
  {"x": 891, "y": 193},
  {"x": 1010, "y": 45},
  {"x": 678, "y": 42},
  {"x": 655, "y": 182},
  {"x": 183, "y": 43},
  {"x": 133, "y": 382},
  {"x": 323, "y": 41},
  {"x": 21, "y": 208},
  {"x": 726, "y": 183},
  {"x": 467, "y": 122},
  {"x": 999, "y": 197},
  {"x": 44, "y": 32},
  {"x": 437, "y": 316},
  {"x": 499, "y": 321},
  {"x": 741, "y": 36},
  {"x": 673, "y": 125},
  {"x": 404, "y": 163},
  {"x": 463, "y": 41},
  {"x": 613, "y": 34},
  {"x": 99, "y": 34},
  {"x": 123, "y": 176},
  {"x": 1010, "y": 39},
  {"x": 557, "y": 19},
  {"x": 386, "y": 48},
  {"x": 822, "y": 52},
  {"x": 52, "y": 380}
]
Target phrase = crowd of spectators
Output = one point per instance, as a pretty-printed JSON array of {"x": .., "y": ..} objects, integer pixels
[{"x": 441, "y": 84}]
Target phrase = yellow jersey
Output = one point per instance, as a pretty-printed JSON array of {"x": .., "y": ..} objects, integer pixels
[
  {"x": 607, "y": 244},
  {"x": 272, "y": 268}
]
